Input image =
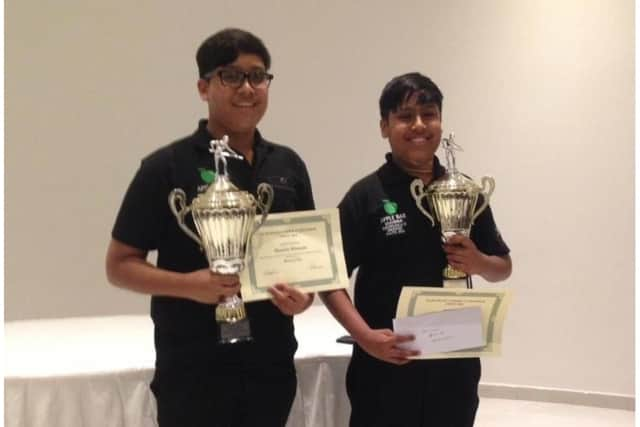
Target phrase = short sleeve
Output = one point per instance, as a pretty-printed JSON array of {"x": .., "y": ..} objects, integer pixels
[
  {"x": 144, "y": 210},
  {"x": 353, "y": 229},
  {"x": 305, "y": 193},
  {"x": 486, "y": 236}
]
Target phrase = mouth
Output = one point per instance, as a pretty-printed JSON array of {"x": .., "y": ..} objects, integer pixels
[
  {"x": 244, "y": 104},
  {"x": 419, "y": 140}
]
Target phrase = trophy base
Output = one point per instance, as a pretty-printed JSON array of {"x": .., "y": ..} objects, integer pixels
[
  {"x": 233, "y": 322},
  {"x": 236, "y": 332},
  {"x": 450, "y": 273}
]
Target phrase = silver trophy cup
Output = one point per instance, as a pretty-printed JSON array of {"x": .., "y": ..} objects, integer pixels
[
  {"x": 224, "y": 217},
  {"x": 452, "y": 198}
]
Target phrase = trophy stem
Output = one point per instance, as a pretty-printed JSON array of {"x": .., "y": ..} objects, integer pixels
[{"x": 232, "y": 320}]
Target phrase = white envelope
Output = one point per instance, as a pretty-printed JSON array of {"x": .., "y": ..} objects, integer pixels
[{"x": 442, "y": 331}]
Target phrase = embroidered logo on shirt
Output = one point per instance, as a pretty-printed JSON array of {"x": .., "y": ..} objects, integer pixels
[
  {"x": 207, "y": 175},
  {"x": 389, "y": 206},
  {"x": 393, "y": 223}
]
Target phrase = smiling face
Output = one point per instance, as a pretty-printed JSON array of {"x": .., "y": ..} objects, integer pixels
[
  {"x": 234, "y": 111},
  {"x": 414, "y": 131}
]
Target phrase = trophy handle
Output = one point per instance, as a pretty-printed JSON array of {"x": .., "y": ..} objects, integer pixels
[
  {"x": 264, "y": 200},
  {"x": 488, "y": 185},
  {"x": 177, "y": 196},
  {"x": 418, "y": 193}
]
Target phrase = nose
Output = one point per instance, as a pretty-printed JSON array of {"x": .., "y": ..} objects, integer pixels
[
  {"x": 418, "y": 123},
  {"x": 246, "y": 85}
]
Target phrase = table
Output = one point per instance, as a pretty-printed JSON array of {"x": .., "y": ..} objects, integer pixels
[{"x": 95, "y": 372}]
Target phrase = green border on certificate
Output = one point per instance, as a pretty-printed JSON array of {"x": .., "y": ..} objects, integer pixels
[
  {"x": 494, "y": 310},
  {"x": 302, "y": 249},
  {"x": 493, "y": 302}
]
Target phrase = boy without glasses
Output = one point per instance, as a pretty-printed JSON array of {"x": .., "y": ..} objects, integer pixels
[
  {"x": 393, "y": 244},
  {"x": 198, "y": 382}
]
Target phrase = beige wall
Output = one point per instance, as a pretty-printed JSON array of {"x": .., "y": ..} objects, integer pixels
[{"x": 539, "y": 92}]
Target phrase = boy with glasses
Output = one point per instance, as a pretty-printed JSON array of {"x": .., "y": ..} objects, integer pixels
[
  {"x": 198, "y": 382},
  {"x": 393, "y": 244}
]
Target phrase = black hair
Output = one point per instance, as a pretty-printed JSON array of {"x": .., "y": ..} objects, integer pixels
[
  {"x": 224, "y": 47},
  {"x": 401, "y": 88}
]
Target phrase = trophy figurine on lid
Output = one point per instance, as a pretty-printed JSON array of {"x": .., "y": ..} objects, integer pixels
[
  {"x": 452, "y": 198},
  {"x": 224, "y": 217}
]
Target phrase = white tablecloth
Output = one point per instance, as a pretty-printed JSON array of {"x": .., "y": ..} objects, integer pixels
[{"x": 95, "y": 372}]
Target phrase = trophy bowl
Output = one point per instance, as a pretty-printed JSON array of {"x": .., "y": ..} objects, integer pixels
[
  {"x": 224, "y": 217},
  {"x": 452, "y": 198}
]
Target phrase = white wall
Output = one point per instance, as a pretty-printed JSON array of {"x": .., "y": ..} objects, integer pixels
[{"x": 539, "y": 92}]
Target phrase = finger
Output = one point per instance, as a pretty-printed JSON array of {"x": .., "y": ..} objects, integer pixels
[
  {"x": 398, "y": 360},
  {"x": 466, "y": 243},
  {"x": 454, "y": 262},
  {"x": 298, "y": 299},
  {"x": 453, "y": 249},
  {"x": 455, "y": 239},
  {"x": 231, "y": 285},
  {"x": 223, "y": 276},
  {"x": 280, "y": 299},
  {"x": 277, "y": 294},
  {"x": 404, "y": 338},
  {"x": 284, "y": 306},
  {"x": 455, "y": 258},
  {"x": 459, "y": 242},
  {"x": 234, "y": 279},
  {"x": 404, "y": 354},
  {"x": 290, "y": 291},
  {"x": 411, "y": 353},
  {"x": 461, "y": 267}
]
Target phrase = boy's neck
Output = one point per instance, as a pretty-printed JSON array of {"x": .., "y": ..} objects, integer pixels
[{"x": 424, "y": 172}]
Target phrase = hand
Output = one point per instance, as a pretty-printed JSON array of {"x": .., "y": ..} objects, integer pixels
[
  {"x": 209, "y": 288},
  {"x": 382, "y": 344},
  {"x": 463, "y": 255},
  {"x": 289, "y": 300}
]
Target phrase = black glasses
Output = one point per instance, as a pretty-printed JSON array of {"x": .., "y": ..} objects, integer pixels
[{"x": 234, "y": 78}]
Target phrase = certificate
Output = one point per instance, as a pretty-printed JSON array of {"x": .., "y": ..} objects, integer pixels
[
  {"x": 302, "y": 249},
  {"x": 493, "y": 303},
  {"x": 442, "y": 331}
]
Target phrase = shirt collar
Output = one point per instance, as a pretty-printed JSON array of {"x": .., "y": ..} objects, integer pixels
[
  {"x": 202, "y": 139},
  {"x": 393, "y": 173}
]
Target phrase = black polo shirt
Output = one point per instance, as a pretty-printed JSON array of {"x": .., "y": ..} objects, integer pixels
[
  {"x": 394, "y": 244},
  {"x": 185, "y": 329}
]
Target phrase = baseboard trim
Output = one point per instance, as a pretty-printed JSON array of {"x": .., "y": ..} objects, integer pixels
[{"x": 573, "y": 397}]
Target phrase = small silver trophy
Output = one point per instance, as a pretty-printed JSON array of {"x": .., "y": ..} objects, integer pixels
[
  {"x": 452, "y": 198},
  {"x": 224, "y": 217}
]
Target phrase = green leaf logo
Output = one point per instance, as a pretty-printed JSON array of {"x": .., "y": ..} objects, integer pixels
[
  {"x": 390, "y": 207},
  {"x": 207, "y": 175}
]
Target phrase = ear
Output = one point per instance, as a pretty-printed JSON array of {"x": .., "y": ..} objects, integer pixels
[
  {"x": 203, "y": 86},
  {"x": 384, "y": 128}
]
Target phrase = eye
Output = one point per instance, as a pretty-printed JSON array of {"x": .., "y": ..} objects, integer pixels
[
  {"x": 431, "y": 112},
  {"x": 231, "y": 75},
  {"x": 404, "y": 116},
  {"x": 257, "y": 76}
]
